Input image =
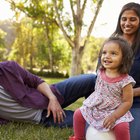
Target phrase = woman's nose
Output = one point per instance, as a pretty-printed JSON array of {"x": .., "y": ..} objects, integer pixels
[{"x": 127, "y": 23}]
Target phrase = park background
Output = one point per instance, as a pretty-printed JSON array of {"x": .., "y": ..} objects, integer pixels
[
  {"x": 55, "y": 43},
  {"x": 56, "y": 40}
]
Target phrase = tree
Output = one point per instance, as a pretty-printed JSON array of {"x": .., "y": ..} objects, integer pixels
[
  {"x": 24, "y": 46},
  {"x": 91, "y": 53},
  {"x": 40, "y": 11},
  {"x": 2, "y": 45},
  {"x": 75, "y": 25},
  {"x": 53, "y": 12}
]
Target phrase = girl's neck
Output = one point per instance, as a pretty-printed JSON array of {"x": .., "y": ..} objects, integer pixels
[{"x": 112, "y": 73}]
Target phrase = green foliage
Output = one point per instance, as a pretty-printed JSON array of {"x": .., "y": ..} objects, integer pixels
[
  {"x": 31, "y": 49},
  {"x": 50, "y": 74},
  {"x": 91, "y": 52},
  {"x": 39, "y": 42},
  {"x": 2, "y": 35},
  {"x": 53, "y": 80},
  {"x": 61, "y": 54},
  {"x": 2, "y": 45},
  {"x": 24, "y": 46}
]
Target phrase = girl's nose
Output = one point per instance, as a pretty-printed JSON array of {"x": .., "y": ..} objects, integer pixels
[{"x": 107, "y": 55}]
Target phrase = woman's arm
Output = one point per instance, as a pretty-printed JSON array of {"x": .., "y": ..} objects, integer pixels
[{"x": 136, "y": 92}]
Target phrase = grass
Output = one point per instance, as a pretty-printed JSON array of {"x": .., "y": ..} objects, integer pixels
[
  {"x": 53, "y": 80},
  {"x": 29, "y": 131}
]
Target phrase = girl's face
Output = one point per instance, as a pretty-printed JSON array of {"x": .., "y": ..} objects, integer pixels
[
  {"x": 111, "y": 57},
  {"x": 129, "y": 22}
]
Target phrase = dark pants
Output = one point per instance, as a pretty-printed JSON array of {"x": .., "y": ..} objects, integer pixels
[
  {"x": 47, "y": 122},
  {"x": 71, "y": 89},
  {"x": 135, "y": 124},
  {"x": 76, "y": 87}
]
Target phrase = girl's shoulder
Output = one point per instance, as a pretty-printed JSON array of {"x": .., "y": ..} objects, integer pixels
[
  {"x": 128, "y": 80},
  {"x": 123, "y": 78}
]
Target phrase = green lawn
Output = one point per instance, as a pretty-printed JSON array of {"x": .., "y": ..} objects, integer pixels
[
  {"x": 53, "y": 80},
  {"x": 29, "y": 131}
]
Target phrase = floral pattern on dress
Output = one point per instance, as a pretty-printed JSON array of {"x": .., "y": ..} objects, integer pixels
[{"x": 105, "y": 100}]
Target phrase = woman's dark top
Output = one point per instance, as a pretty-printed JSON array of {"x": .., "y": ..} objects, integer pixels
[{"x": 135, "y": 73}]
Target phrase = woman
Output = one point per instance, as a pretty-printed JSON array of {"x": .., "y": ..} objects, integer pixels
[{"x": 129, "y": 27}]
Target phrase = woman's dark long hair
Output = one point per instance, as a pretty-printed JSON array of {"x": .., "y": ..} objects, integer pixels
[{"x": 135, "y": 7}]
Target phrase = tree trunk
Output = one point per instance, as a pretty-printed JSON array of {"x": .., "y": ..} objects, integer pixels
[
  {"x": 49, "y": 45},
  {"x": 31, "y": 62},
  {"x": 50, "y": 56},
  {"x": 76, "y": 61}
]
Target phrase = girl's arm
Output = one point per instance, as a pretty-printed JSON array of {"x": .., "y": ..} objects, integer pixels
[{"x": 127, "y": 100}]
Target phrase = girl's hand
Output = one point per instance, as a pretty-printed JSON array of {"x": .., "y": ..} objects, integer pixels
[{"x": 109, "y": 122}]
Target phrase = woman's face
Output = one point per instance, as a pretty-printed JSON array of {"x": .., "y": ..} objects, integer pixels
[{"x": 129, "y": 22}]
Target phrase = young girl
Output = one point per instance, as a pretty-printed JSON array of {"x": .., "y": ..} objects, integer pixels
[{"x": 108, "y": 106}]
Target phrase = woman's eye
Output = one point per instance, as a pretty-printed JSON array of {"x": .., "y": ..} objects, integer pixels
[
  {"x": 133, "y": 19},
  {"x": 130, "y": 19},
  {"x": 123, "y": 19}
]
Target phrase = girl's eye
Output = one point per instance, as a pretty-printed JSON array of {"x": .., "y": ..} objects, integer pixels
[
  {"x": 113, "y": 53},
  {"x": 103, "y": 52}
]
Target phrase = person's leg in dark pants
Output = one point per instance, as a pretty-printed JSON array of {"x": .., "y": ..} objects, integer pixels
[
  {"x": 47, "y": 122},
  {"x": 135, "y": 124},
  {"x": 76, "y": 87}
]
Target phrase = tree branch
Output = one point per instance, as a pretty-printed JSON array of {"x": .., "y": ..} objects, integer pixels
[
  {"x": 61, "y": 26},
  {"x": 99, "y": 5}
]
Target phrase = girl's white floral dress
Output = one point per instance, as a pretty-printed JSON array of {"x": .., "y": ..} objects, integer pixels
[{"x": 105, "y": 99}]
